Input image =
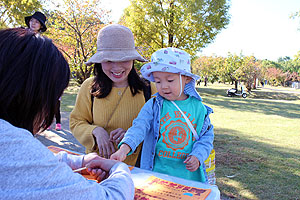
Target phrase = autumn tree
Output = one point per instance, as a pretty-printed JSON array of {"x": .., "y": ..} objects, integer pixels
[
  {"x": 12, "y": 12},
  {"x": 230, "y": 71},
  {"x": 289, "y": 65},
  {"x": 185, "y": 24},
  {"x": 209, "y": 66},
  {"x": 249, "y": 72},
  {"x": 275, "y": 76},
  {"x": 74, "y": 27}
]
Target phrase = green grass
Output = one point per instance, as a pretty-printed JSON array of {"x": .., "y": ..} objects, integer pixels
[
  {"x": 257, "y": 140},
  {"x": 69, "y": 97}
]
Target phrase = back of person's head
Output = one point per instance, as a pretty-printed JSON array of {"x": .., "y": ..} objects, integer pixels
[{"x": 33, "y": 75}]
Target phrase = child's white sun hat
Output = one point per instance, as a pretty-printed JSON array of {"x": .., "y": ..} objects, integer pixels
[{"x": 171, "y": 60}]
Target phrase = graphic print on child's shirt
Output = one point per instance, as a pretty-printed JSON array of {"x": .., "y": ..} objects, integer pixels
[{"x": 176, "y": 139}]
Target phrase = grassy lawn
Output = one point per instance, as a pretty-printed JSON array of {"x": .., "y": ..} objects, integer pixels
[
  {"x": 257, "y": 140},
  {"x": 69, "y": 97}
]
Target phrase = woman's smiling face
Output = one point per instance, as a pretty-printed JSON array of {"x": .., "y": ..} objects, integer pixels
[{"x": 118, "y": 72}]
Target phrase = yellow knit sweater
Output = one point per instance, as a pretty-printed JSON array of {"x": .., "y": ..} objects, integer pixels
[{"x": 82, "y": 123}]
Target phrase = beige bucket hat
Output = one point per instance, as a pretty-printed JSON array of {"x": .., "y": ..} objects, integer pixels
[{"x": 115, "y": 43}]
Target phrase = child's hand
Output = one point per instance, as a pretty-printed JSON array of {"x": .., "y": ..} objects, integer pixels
[
  {"x": 121, "y": 154},
  {"x": 192, "y": 163}
]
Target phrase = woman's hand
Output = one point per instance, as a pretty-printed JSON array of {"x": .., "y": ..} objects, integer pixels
[
  {"x": 192, "y": 163},
  {"x": 106, "y": 147},
  {"x": 117, "y": 135},
  {"x": 90, "y": 157},
  {"x": 100, "y": 168}
]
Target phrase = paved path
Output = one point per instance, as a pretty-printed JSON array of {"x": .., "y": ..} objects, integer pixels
[{"x": 63, "y": 138}]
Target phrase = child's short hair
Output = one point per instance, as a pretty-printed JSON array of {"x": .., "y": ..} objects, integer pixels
[{"x": 171, "y": 60}]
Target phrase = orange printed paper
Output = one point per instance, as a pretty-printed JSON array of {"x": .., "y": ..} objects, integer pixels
[
  {"x": 156, "y": 188},
  {"x": 55, "y": 149}
]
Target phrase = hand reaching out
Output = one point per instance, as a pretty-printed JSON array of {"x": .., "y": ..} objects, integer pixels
[
  {"x": 89, "y": 157},
  {"x": 106, "y": 147},
  {"x": 192, "y": 163},
  {"x": 121, "y": 154}
]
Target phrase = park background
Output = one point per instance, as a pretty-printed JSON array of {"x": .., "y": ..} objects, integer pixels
[{"x": 256, "y": 138}]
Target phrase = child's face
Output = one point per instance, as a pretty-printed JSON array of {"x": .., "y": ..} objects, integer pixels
[
  {"x": 168, "y": 85},
  {"x": 118, "y": 72},
  {"x": 34, "y": 24}
]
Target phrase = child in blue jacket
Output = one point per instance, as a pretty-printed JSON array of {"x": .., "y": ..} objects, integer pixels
[{"x": 170, "y": 147}]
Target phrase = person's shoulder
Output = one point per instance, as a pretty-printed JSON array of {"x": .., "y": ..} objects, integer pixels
[
  {"x": 8, "y": 130},
  {"x": 87, "y": 82},
  {"x": 195, "y": 101}
]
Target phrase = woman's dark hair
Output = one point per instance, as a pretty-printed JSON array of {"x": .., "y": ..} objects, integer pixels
[
  {"x": 33, "y": 76},
  {"x": 102, "y": 84}
]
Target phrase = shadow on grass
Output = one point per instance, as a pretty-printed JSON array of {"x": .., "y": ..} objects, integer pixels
[
  {"x": 274, "y": 95},
  {"x": 264, "y": 171},
  {"x": 281, "y": 108},
  {"x": 255, "y": 94}
]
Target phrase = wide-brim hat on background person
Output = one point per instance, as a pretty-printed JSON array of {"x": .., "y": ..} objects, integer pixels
[
  {"x": 115, "y": 43},
  {"x": 39, "y": 16}
]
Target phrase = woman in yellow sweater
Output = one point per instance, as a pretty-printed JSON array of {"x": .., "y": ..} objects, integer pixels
[{"x": 108, "y": 102}]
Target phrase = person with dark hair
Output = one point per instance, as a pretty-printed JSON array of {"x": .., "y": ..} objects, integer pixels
[
  {"x": 36, "y": 22},
  {"x": 33, "y": 76},
  {"x": 108, "y": 102}
]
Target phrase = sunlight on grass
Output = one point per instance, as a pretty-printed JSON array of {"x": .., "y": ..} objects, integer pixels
[
  {"x": 69, "y": 97},
  {"x": 243, "y": 193},
  {"x": 256, "y": 138}
]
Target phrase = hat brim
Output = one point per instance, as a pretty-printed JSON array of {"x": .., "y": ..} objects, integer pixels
[
  {"x": 115, "y": 56},
  {"x": 148, "y": 68},
  {"x": 43, "y": 27}
]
